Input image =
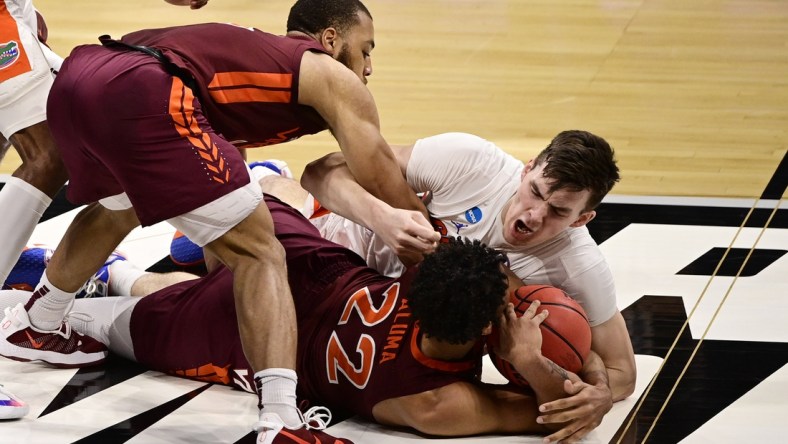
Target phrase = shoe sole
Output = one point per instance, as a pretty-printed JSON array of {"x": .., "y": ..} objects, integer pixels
[{"x": 58, "y": 360}]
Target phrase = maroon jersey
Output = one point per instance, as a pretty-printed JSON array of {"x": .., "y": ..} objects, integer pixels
[
  {"x": 357, "y": 340},
  {"x": 247, "y": 79}
]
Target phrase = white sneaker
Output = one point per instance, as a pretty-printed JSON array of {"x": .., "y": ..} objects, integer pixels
[{"x": 11, "y": 407}]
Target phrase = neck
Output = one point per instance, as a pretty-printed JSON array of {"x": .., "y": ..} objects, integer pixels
[
  {"x": 443, "y": 351},
  {"x": 302, "y": 34}
]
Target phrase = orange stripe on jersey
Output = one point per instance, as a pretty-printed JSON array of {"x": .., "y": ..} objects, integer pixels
[
  {"x": 238, "y": 87},
  {"x": 181, "y": 110},
  {"x": 247, "y": 79},
  {"x": 445, "y": 366},
  {"x": 13, "y": 59}
]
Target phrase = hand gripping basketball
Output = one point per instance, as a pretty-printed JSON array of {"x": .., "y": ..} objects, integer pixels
[{"x": 566, "y": 335}]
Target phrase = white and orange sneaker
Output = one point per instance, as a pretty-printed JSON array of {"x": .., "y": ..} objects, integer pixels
[{"x": 63, "y": 347}]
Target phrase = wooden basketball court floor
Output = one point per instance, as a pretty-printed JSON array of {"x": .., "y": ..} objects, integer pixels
[{"x": 692, "y": 95}]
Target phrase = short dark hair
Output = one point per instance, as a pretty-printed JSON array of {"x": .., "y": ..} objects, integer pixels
[
  {"x": 578, "y": 160},
  {"x": 459, "y": 290},
  {"x": 313, "y": 16}
]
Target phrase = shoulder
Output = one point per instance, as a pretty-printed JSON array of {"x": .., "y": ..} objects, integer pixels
[{"x": 462, "y": 145}]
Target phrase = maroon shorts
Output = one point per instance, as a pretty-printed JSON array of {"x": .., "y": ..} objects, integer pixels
[{"x": 123, "y": 124}]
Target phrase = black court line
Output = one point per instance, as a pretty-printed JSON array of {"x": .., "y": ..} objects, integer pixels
[{"x": 779, "y": 182}]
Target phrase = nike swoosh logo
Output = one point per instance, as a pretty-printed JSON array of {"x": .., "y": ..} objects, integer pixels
[{"x": 36, "y": 344}]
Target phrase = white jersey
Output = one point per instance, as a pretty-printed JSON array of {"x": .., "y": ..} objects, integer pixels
[
  {"x": 471, "y": 180},
  {"x": 26, "y": 68}
]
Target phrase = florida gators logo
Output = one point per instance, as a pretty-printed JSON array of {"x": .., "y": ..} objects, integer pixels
[{"x": 9, "y": 54}]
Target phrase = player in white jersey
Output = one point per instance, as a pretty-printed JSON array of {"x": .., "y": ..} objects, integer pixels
[
  {"x": 533, "y": 212},
  {"x": 27, "y": 70}
]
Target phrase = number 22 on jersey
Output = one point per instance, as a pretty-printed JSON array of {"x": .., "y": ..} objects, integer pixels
[{"x": 360, "y": 304}]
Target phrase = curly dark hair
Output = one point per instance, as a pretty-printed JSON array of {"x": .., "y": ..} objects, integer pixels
[
  {"x": 313, "y": 16},
  {"x": 459, "y": 290},
  {"x": 578, "y": 160}
]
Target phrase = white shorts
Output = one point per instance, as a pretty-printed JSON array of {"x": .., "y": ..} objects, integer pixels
[
  {"x": 25, "y": 69},
  {"x": 210, "y": 221}
]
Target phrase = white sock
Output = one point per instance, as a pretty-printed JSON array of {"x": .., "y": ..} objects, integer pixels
[
  {"x": 122, "y": 276},
  {"x": 277, "y": 390},
  {"x": 22, "y": 205},
  {"x": 49, "y": 305}
]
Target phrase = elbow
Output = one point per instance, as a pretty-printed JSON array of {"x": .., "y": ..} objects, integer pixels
[
  {"x": 309, "y": 176},
  {"x": 627, "y": 386},
  {"x": 316, "y": 170},
  {"x": 432, "y": 418}
]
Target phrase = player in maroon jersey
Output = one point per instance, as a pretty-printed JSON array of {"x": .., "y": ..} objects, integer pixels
[
  {"x": 28, "y": 68},
  {"x": 400, "y": 351},
  {"x": 149, "y": 129}
]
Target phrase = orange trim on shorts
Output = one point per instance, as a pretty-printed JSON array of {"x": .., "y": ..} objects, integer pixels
[
  {"x": 181, "y": 109},
  {"x": 237, "y": 87},
  {"x": 13, "y": 58},
  {"x": 318, "y": 210},
  {"x": 207, "y": 373}
]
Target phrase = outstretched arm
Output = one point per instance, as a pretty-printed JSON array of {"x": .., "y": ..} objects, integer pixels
[
  {"x": 346, "y": 104},
  {"x": 461, "y": 409},
  {"x": 331, "y": 182}
]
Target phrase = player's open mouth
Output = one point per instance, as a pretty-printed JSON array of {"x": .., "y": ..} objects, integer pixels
[{"x": 521, "y": 227}]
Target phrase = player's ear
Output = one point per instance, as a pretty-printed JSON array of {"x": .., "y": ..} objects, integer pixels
[
  {"x": 328, "y": 39},
  {"x": 584, "y": 218},
  {"x": 528, "y": 167},
  {"x": 488, "y": 329}
]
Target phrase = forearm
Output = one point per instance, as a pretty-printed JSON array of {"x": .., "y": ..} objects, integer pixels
[
  {"x": 545, "y": 377},
  {"x": 594, "y": 371},
  {"x": 331, "y": 183},
  {"x": 611, "y": 343},
  {"x": 383, "y": 179},
  {"x": 621, "y": 382}
]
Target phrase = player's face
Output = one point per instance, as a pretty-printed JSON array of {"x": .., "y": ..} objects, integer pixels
[
  {"x": 534, "y": 215},
  {"x": 353, "y": 49}
]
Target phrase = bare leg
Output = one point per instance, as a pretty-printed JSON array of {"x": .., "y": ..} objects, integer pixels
[
  {"x": 92, "y": 236},
  {"x": 264, "y": 304},
  {"x": 29, "y": 192},
  {"x": 41, "y": 163},
  {"x": 152, "y": 282},
  {"x": 287, "y": 190}
]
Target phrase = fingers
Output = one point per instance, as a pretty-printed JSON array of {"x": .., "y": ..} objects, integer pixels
[
  {"x": 531, "y": 313},
  {"x": 423, "y": 229},
  {"x": 568, "y": 434},
  {"x": 573, "y": 387}
]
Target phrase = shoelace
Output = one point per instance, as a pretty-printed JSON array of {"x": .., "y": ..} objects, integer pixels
[
  {"x": 84, "y": 320},
  {"x": 318, "y": 414}
]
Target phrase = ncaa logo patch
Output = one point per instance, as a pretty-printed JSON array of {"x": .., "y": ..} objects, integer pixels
[
  {"x": 9, "y": 54},
  {"x": 474, "y": 215}
]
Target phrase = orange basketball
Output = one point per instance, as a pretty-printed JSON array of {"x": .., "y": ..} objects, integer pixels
[{"x": 566, "y": 335}]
